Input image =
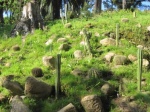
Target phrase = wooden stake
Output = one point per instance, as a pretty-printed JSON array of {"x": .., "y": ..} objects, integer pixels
[{"x": 57, "y": 80}]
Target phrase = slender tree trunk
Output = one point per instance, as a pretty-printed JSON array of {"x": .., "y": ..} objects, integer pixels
[
  {"x": 1, "y": 13},
  {"x": 97, "y": 6},
  {"x": 56, "y": 8}
]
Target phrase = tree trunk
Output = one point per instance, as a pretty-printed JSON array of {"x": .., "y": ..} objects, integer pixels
[
  {"x": 56, "y": 8},
  {"x": 97, "y": 6},
  {"x": 1, "y": 13}
]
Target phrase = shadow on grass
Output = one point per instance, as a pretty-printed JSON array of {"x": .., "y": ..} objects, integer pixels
[{"x": 145, "y": 97}]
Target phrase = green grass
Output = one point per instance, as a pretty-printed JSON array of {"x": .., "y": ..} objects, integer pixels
[{"x": 74, "y": 88}]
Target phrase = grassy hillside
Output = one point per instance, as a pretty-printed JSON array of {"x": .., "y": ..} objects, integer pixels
[{"x": 33, "y": 48}]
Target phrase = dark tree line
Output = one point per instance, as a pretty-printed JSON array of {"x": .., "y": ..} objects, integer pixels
[{"x": 51, "y": 8}]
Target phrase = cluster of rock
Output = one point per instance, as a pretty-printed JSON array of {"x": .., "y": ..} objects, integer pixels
[{"x": 33, "y": 88}]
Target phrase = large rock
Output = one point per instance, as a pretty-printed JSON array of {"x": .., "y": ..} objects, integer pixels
[
  {"x": 92, "y": 103},
  {"x": 37, "y": 89},
  {"x": 69, "y": 108},
  {"x": 108, "y": 41},
  {"x": 17, "y": 105}
]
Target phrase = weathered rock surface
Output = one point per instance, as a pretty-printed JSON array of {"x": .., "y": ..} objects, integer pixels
[
  {"x": 16, "y": 48},
  {"x": 64, "y": 47},
  {"x": 17, "y": 105},
  {"x": 78, "y": 54},
  {"x": 148, "y": 28},
  {"x": 68, "y": 25},
  {"x": 132, "y": 58},
  {"x": 49, "y": 61},
  {"x": 124, "y": 20},
  {"x": 37, "y": 72},
  {"x": 120, "y": 60},
  {"x": 108, "y": 41},
  {"x": 62, "y": 40},
  {"x": 48, "y": 42},
  {"x": 125, "y": 104},
  {"x": 2, "y": 98},
  {"x": 94, "y": 72},
  {"x": 78, "y": 72},
  {"x": 107, "y": 89},
  {"x": 92, "y": 103},
  {"x": 13, "y": 86},
  {"x": 109, "y": 56},
  {"x": 36, "y": 88},
  {"x": 68, "y": 108}
]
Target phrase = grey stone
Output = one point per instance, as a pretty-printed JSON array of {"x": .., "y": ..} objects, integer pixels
[
  {"x": 49, "y": 61},
  {"x": 36, "y": 88},
  {"x": 92, "y": 103},
  {"x": 17, "y": 105},
  {"x": 64, "y": 47},
  {"x": 108, "y": 42},
  {"x": 124, "y": 20},
  {"x": 13, "y": 86},
  {"x": 78, "y": 54},
  {"x": 62, "y": 40},
  {"x": 107, "y": 89},
  {"x": 120, "y": 60},
  {"x": 109, "y": 56},
  {"x": 68, "y": 108}
]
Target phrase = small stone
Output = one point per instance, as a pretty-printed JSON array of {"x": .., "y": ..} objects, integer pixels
[
  {"x": 108, "y": 41},
  {"x": 49, "y": 61},
  {"x": 107, "y": 89},
  {"x": 125, "y": 20},
  {"x": 78, "y": 54},
  {"x": 37, "y": 72},
  {"x": 50, "y": 41},
  {"x": 145, "y": 62},
  {"x": 64, "y": 47},
  {"x": 109, "y": 56},
  {"x": 16, "y": 48},
  {"x": 68, "y": 25},
  {"x": 83, "y": 43},
  {"x": 148, "y": 28},
  {"x": 69, "y": 108},
  {"x": 78, "y": 72},
  {"x": 97, "y": 34},
  {"x": 61, "y": 40},
  {"x": 120, "y": 60},
  {"x": 132, "y": 58}
]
